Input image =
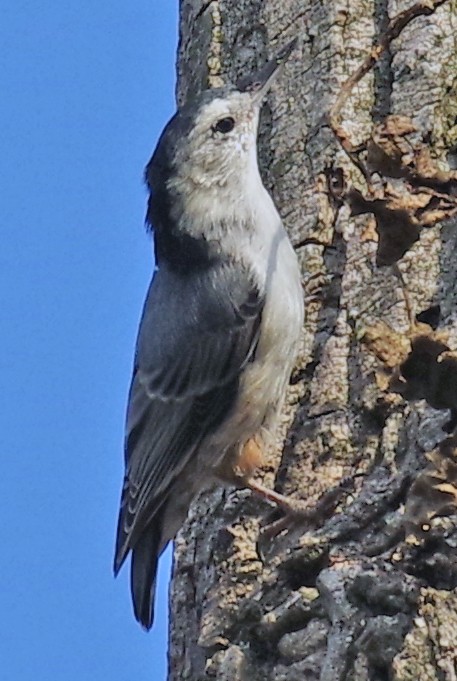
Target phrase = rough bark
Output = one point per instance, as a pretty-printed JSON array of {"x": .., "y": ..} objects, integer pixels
[{"x": 366, "y": 590}]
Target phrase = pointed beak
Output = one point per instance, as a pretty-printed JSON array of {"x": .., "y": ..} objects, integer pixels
[{"x": 260, "y": 82}]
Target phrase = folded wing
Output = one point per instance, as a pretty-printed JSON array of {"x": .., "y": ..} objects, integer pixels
[{"x": 197, "y": 333}]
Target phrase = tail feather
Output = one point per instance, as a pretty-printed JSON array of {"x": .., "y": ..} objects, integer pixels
[{"x": 143, "y": 570}]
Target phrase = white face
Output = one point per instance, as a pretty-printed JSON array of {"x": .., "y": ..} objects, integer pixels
[{"x": 221, "y": 147}]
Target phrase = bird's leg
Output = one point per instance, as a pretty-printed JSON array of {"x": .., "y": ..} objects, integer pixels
[
  {"x": 296, "y": 511},
  {"x": 291, "y": 507},
  {"x": 249, "y": 459}
]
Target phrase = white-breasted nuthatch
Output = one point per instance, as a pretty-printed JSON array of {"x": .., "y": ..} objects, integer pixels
[{"x": 220, "y": 327}]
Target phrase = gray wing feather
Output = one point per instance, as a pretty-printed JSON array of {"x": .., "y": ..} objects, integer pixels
[{"x": 197, "y": 333}]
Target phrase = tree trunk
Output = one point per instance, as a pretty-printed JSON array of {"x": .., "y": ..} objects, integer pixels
[{"x": 365, "y": 588}]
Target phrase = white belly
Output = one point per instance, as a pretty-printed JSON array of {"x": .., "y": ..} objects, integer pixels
[
  {"x": 265, "y": 380},
  {"x": 262, "y": 245}
]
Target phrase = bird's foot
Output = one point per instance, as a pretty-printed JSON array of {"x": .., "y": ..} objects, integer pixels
[
  {"x": 296, "y": 511},
  {"x": 290, "y": 507}
]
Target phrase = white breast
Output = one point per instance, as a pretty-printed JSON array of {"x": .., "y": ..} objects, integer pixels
[
  {"x": 248, "y": 226},
  {"x": 275, "y": 263}
]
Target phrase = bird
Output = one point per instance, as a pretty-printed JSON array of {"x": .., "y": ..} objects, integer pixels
[{"x": 220, "y": 328}]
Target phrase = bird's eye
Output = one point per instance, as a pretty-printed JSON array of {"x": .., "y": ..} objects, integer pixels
[{"x": 224, "y": 125}]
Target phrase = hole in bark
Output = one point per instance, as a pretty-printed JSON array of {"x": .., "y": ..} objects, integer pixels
[
  {"x": 375, "y": 418},
  {"x": 380, "y": 673},
  {"x": 452, "y": 157},
  {"x": 430, "y": 316},
  {"x": 432, "y": 564},
  {"x": 379, "y": 593},
  {"x": 451, "y": 425},
  {"x": 303, "y": 570}
]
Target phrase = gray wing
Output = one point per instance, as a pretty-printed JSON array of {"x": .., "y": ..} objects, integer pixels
[{"x": 197, "y": 333}]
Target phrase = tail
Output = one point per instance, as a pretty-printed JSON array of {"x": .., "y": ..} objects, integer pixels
[
  {"x": 143, "y": 567},
  {"x": 143, "y": 571},
  {"x": 144, "y": 540}
]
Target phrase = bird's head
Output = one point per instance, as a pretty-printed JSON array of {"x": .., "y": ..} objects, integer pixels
[{"x": 211, "y": 141}]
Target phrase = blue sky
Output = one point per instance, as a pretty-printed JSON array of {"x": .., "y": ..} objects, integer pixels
[{"x": 86, "y": 88}]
